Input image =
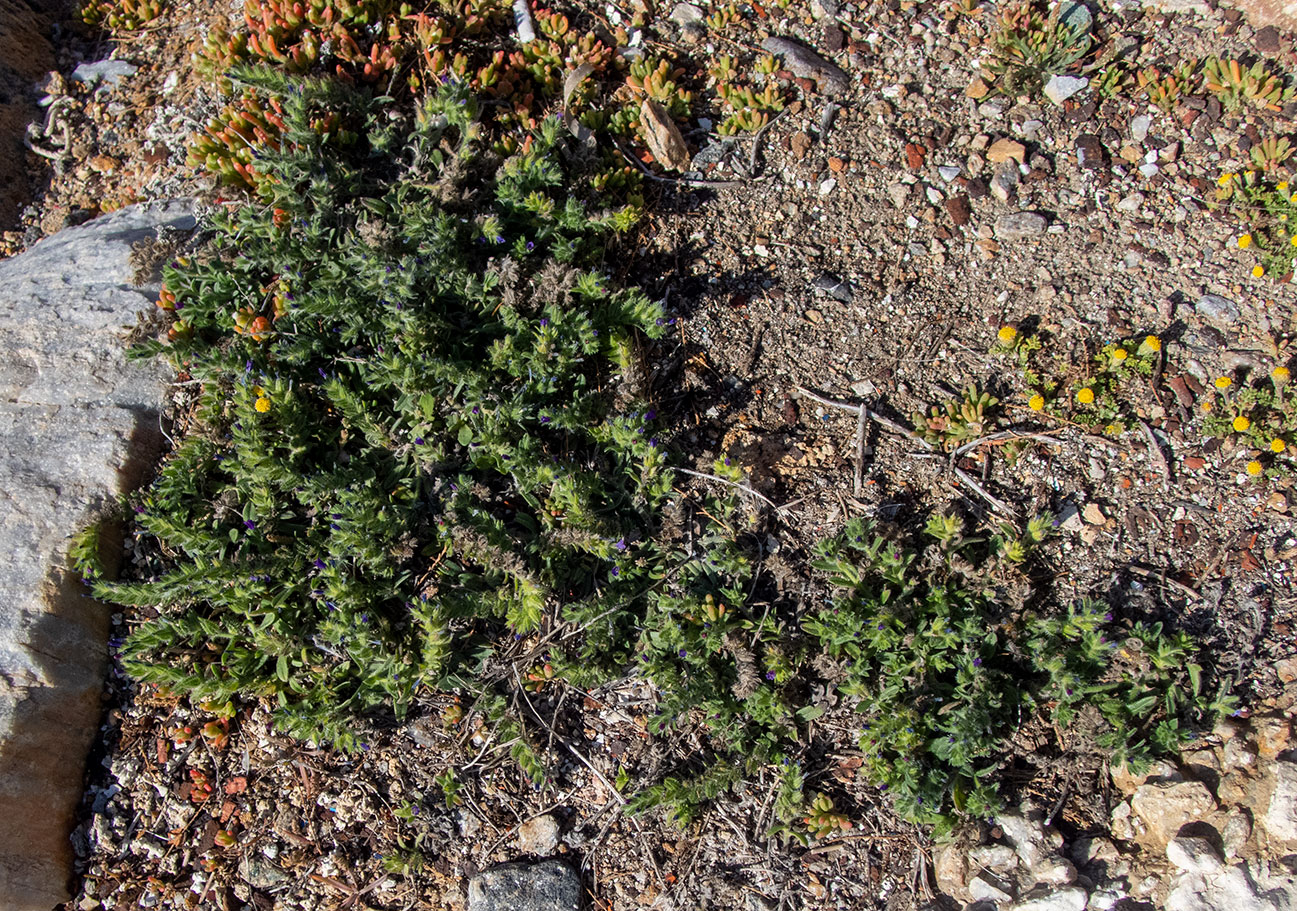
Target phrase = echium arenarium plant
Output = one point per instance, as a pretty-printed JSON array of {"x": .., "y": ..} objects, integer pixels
[
  {"x": 938, "y": 647},
  {"x": 420, "y": 436},
  {"x": 724, "y": 670}
]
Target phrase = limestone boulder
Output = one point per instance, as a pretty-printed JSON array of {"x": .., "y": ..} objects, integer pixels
[{"x": 78, "y": 426}]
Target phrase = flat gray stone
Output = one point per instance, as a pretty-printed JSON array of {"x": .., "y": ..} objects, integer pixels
[
  {"x": 1020, "y": 225},
  {"x": 806, "y": 64},
  {"x": 109, "y": 72},
  {"x": 1060, "y": 88},
  {"x": 546, "y": 886},
  {"x": 78, "y": 426},
  {"x": 1221, "y": 312}
]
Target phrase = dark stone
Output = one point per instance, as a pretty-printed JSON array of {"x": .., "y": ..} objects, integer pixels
[
  {"x": 1090, "y": 153},
  {"x": 1267, "y": 41},
  {"x": 546, "y": 886},
  {"x": 834, "y": 287},
  {"x": 959, "y": 209}
]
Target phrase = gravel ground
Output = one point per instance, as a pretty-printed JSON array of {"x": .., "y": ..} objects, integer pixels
[{"x": 857, "y": 251}]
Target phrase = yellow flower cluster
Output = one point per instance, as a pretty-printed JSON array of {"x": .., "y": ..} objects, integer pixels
[
  {"x": 262, "y": 404},
  {"x": 1119, "y": 354},
  {"x": 1244, "y": 241},
  {"x": 1036, "y": 402},
  {"x": 1007, "y": 335},
  {"x": 1223, "y": 382},
  {"x": 1085, "y": 396},
  {"x": 1241, "y": 424},
  {"x": 1151, "y": 345},
  {"x": 1280, "y": 375},
  {"x": 1254, "y": 468}
]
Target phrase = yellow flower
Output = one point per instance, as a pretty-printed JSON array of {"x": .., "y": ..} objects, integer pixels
[
  {"x": 1294, "y": 240},
  {"x": 1036, "y": 402},
  {"x": 1280, "y": 375},
  {"x": 262, "y": 404},
  {"x": 1224, "y": 179},
  {"x": 1258, "y": 271},
  {"x": 1151, "y": 345},
  {"x": 1278, "y": 445},
  {"x": 1006, "y": 335},
  {"x": 1085, "y": 396},
  {"x": 1254, "y": 468},
  {"x": 1241, "y": 423},
  {"x": 1282, "y": 185},
  {"x": 1223, "y": 382},
  {"x": 1206, "y": 407},
  {"x": 1119, "y": 354},
  {"x": 1245, "y": 241}
]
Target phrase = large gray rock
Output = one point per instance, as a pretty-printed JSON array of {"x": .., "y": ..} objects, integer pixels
[
  {"x": 78, "y": 425},
  {"x": 546, "y": 886},
  {"x": 1281, "y": 815},
  {"x": 1237, "y": 888}
]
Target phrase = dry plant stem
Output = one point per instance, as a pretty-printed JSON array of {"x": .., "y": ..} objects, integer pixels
[
  {"x": 1161, "y": 577},
  {"x": 1155, "y": 451},
  {"x": 756, "y": 144},
  {"x": 858, "y": 481},
  {"x": 997, "y": 504},
  {"x": 742, "y": 487},
  {"x": 686, "y": 181},
  {"x": 563, "y": 743},
  {"x": 872, "y": 415},
  {"x": 973, "y": 485},
  {"x": 1001, "y": 436}
]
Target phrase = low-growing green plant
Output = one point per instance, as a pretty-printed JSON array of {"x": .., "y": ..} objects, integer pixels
[
  {"x": 717, "y": 663},
  {"x": 959, "y": 421},
  {"x": 1237, "y": 84},
  {"x": 433, "y": 445},
  {"x": 1020, "y": 345},
  {"x": 1269, "y": 208},
  {"x": 724, "y": 16},
  {"x": 1102, "y": 396},
  {"x": 937, "y": 647},
  {"x": 1031, "y": 45},
  {"x": 1114, "y": 80},
  {"x": 1164, "y": 90},
  {"x": 121, "y": 15},
  {"x": 1261, "y": 415},
  {"x": 1271, "y": 153}
]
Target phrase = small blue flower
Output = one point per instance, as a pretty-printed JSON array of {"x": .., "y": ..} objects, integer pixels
[
  {"x": 621, "y": 544},
  {"x": 770, "y": 675},
  {"x": 683, "y": 653},
  {"x": 249, "y": 524}
]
